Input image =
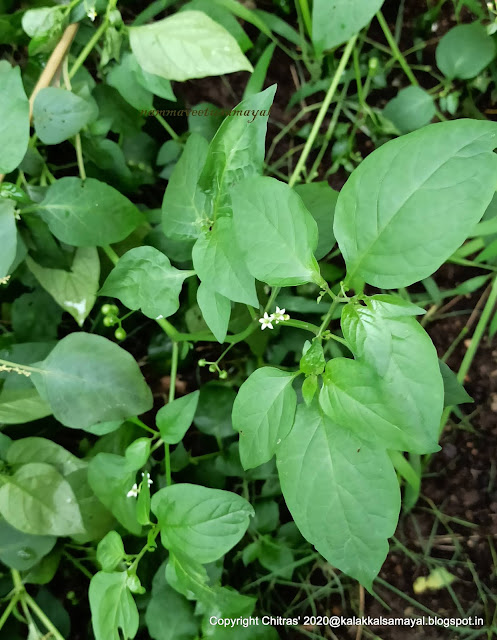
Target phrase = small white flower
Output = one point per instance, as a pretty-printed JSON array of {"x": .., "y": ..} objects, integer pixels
[
  {"x": 133, "y": 492},
  {"x": 92, "y": 14},
  {"x": 266, "y": 321},
  {"x": 149, "y": 479},
  {"x": 279, "y": 315}
]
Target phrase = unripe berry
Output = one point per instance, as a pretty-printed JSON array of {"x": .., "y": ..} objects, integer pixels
[
  {"x": 120, "y": 333},
  {"x": 109, "y": 321}
]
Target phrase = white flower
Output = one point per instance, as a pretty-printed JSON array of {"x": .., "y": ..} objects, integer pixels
[
  {"x": 279, "y": 315},
  {"x": 92, "y": 14},
  {"x": 266, "y": 321},
  {"x": 149, "y": 479},
  {"x": 133, "y": 492}
]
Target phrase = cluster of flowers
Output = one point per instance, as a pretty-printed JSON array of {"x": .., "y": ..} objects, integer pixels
[
  {"x": 278, "y": 316},
  {"x": 135, "y": 489}
]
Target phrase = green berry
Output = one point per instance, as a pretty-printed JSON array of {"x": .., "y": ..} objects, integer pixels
[
  {"x": 110, "y": 321},
  {"x": 212, "y": 368},
  {"x": 223, "y": 375},
  {"x": 202, "y": 362},
  {"x": 120, "y": 333},
  {"x": 105, "y": 309},
  {"x": 110, "y": 309}
]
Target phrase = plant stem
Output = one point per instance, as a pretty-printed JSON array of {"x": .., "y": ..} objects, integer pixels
[
  {"x": 44, "y": 619},
  {"x": 395, "y": 49},
  {"x": 299, "y": 324},
  {"x": 91, "y": 42},
  {"x": 478, "y": 334},
  {"x": 9, "y": 609},
  {"x": 306, "y": 16},
  {"x": 172, "y": 391},
  {"x": 79, "y": 156},
  {"x": 167, "y": 127},
  {"x": 322, "y": 111}
]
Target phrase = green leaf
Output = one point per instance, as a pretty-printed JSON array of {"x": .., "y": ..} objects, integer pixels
[
  {"x": 112, "y": 607},
  {"x": 22, "y": 405},
  {"x": 223, "y": 17},
  {"x": 187, "y": 45},
  {"x": 88, "y": 213},
  {"x": 263, "y": 414},
  {"x": 276, "y": 233},
  {"x": 111, "y": 477},
  {"x": 34, "y": 449},
  {"x": 8, "y": 236},
  {"x": 454, "y": 392},
  {"x": 153, "y": 83},
  {"x": 256, "y": 80},
  {"x": 35, "y": 316},
  {"x": 59, "y": 114},
  {"x": 174, "y": 418},
  {"x": 411, "y": 109},
  {"x": 465, "y": 51},
  {"x": 313, "y": 362},
  {"x": 426, "y": 190},
  {"x": 138, "y": 452},
  {"x": 110, "y": 551},
  {"x": 144, "y": 279},
  {"x": 201, "y": 522},
  {"x": 342, "y": 494},
  {"x": 216, "y": 310},
  {"x": 355, "y": 397},
  {"x": 22, "y": 551},
  {"x": 88, "y": 379},
  {"x": 309, "y": 389},
  {"x": 213, "y": 415},
  {"x": 220, "y": 265},
  {"x": 76, "y": 290},
  {"x": 37, "y": 500},
  {"x": 333, "y": 23},
  {"x": 320, "y": 200},
  {"x": 183, "y": 204},
  {"x": 14, "y": 118},
  {"x": 237, "y": 151},
  {"x": 169, "y": 615},
  {"x": 124, "y": 77}
]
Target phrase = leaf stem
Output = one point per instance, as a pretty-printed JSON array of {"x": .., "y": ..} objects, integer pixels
[
  {"x": 172, "y": 392},
  {"x": 306, "y": 16},
  {"x": 322, "y": 111},
  {"x": 167, "y": 127},
  {"x": 9, "y": 609},
  {"x": 395, "y": 49},
  {"x": 26, "y": 599}
]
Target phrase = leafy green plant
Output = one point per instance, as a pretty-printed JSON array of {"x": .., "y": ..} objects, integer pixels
[{"x": 220, "y": 256}]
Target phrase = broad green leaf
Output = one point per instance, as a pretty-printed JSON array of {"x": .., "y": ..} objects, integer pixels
[
  {"x": 187, "y": 45},
  {"x": 35, "y": 316},
  {"x": 111, "y": 477},
  {"x": 144, "y": 279},
  {"x": 38, "y": 22},
  {"x": 138, "y": 452},
  {"x": 169, "y": 615},
  {"x": 320, "y": 200},
  {"x": 313, "y": 361},
  {"x": 213, "y": 415},
  {"x": 76, "y": 290},
  {"x": 236, "y": 151},
  {"x": 37, "y": 500},
  {"x": 155, "y": 84},
  {"x": 333, "y": 23},
  {"x": 110, "y": 551},
  {"x": 412, "y": 202},
  {"x": 88, "y": 213},
  {"x": 383, "y": 411},
  {"x": 97, "y": 519},
  {"x": 59, "y": 114},
  {"x": 8, "y": 236},
  {"x": 411, "y": 109},
  {"x": 183, "y": 204},
  {"x": 342, "y": 493},
  {"x": 124, "y": 77},
  {"x": 174, "y": 418},
  {"x": 34, "y": 449},
  {"x": 454, "y": 392},
  {"x": 256, "y": 80},
  {"x": 190, "y": 578},
  {"x": 275, "y": 232},
  {"x": 465, "y": 51},
  {"x": 112, "y": 607},
  {"x": 14, "y": 118},
  {"x": 223, "y": 17},
  {"x": 263, "y": 414},
  {"x": 201, "y": 522},
  {"x": 386, "y": 336},
  {"x": 22, "y": 551},
  {"x": 22, "y": 405},
  {"x": 220, "y": 265},
  {"x": 216, "y": 310},
  {"x": 88, "y": 379}
]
